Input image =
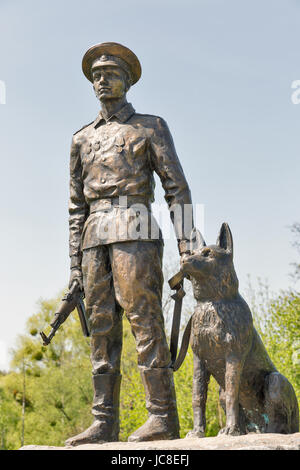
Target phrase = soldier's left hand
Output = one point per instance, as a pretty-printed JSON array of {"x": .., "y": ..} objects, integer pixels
[{"x": 76, "y": 275}]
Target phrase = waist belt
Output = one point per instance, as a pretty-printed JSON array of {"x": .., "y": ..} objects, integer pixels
[{"x": 122, "y": 201}]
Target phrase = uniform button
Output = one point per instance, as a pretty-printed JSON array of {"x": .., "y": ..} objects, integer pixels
[{"x": 103, "y": 180}]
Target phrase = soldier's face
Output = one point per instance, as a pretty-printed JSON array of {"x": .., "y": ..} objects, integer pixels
[{"x": 109, "y": 83}]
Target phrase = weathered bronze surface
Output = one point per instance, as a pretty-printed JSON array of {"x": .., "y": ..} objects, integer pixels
[
  {"x": 111, "y": 173},
  {"x": 254, "y": 395}
]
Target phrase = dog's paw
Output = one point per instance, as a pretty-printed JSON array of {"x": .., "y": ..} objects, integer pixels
[
  {"x": 233, "y": 430},
  {"x": 195, "y": 434}
]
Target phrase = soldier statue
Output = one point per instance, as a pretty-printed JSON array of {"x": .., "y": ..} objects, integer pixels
[{"x": 111, "y": 171}]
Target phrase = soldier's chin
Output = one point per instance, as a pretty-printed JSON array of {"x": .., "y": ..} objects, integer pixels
[{"x": 105, "y": 95}]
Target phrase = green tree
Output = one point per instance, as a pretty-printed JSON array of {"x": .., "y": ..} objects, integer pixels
[
  {"x": 57, "y": 378},
  {"x": 9, "y": 416}
]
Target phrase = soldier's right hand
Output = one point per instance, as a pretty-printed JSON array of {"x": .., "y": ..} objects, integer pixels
[{"x": 76, "y": 275}]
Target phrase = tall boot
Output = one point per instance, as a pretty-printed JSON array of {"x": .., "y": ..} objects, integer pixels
[
  {"x": 105, "y": 427},
  {"x": 163, "y": 420}
]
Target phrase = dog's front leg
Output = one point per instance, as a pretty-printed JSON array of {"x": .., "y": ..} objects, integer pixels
[
  {"x": 201, "y": 378},
  {"x": 234, "y": 367}
]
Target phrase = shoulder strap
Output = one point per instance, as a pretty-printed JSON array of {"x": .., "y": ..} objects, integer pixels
[{"x": 83, "y": 127}]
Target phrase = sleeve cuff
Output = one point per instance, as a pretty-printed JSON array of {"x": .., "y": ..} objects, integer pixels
[{"x": 75, "y": 261}]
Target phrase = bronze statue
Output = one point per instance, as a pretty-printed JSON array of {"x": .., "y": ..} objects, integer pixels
[
  {"x": 253, "y": 394},
  {"x": 111, "y": 175}
]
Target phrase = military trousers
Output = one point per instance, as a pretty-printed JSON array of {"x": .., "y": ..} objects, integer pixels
[{"x": 125, "y": 277}]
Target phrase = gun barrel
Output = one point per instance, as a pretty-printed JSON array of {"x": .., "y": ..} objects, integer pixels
[{"x": 47, "y": 339}]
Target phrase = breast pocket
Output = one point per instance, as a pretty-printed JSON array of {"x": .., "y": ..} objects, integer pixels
[{"x": 139, "y": 147}]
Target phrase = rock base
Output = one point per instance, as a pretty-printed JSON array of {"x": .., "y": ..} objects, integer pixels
[{"x": 247, "y": 442}]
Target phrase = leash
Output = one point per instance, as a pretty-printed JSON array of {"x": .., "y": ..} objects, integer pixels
[{"x": 176, "y": 283}]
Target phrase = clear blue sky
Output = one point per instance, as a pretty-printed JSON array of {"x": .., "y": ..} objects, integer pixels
[{"x": 219, "y": 72}]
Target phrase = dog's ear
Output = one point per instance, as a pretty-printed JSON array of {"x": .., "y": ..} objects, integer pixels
[
  {"x": 225, "y": 240},
  {"x": 196, "y": 241}
]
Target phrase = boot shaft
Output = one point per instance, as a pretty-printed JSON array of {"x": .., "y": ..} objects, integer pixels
[
  {"x": 163, "y": 422},
  {"x": 106, "y": 403},
  {"x": 105, "y": 427},
  {"x": 106, "y": 391},
  {"x": 159, "y": 390}
]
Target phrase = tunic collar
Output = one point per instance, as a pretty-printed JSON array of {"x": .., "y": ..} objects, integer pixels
[{"x": 122, "y": 115}]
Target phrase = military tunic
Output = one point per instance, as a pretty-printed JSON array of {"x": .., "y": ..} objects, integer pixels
[
  {"x": 117, "y": 158},
  {"x": 110, "y": 160}
]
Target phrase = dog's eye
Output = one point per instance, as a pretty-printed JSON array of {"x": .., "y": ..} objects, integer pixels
[{"x": 206, "y": 252}]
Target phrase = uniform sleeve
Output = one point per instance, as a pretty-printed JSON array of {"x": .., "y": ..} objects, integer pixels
[
  {"x": 166, "y": 164},
  {"x": 78, "y": 208}
]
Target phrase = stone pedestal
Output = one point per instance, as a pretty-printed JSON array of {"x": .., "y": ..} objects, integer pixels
[{"x": 247, "y": 442}]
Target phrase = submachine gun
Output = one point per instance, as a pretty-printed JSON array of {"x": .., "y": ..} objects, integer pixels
[{"x": 73, "y": 299}]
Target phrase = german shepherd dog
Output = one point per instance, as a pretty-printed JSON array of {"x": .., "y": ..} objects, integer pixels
[{"x": 253, "y": 394}]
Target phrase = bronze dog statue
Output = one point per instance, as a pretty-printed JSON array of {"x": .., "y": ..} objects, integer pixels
[{"x": 253, "y": 394}]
